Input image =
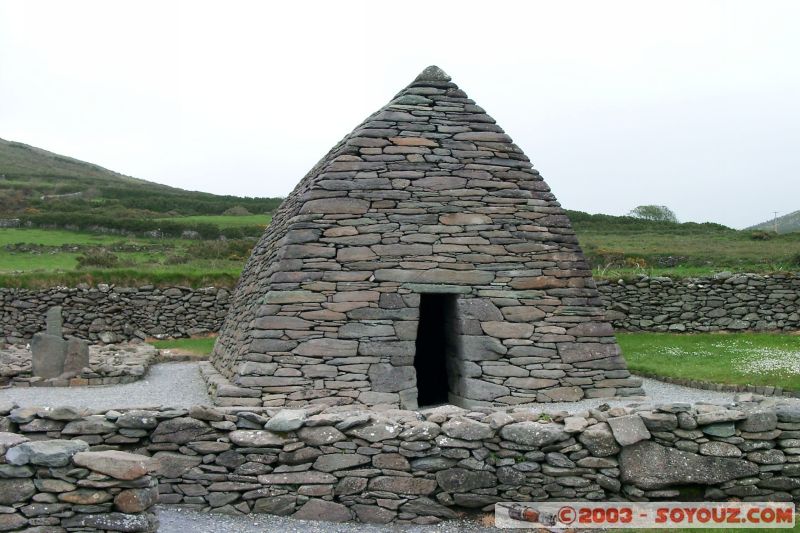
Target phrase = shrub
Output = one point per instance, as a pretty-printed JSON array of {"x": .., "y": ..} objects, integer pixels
[
  {"x": 761, "y": 235},
  {"x": 237, "y": 210},
  {"x": 98, "y": 258}
]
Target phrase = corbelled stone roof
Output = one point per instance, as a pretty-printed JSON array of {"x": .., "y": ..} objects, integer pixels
[{"x": 428, "y": 194}]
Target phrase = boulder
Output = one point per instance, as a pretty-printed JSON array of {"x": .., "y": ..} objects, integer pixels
[{"x": 651, "y": 466}]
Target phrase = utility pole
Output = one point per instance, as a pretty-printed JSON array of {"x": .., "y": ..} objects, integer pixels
[{"x": 775, "y": 221}]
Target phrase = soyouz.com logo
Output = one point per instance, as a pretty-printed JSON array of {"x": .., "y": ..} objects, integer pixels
[{"x": 665, "y": 515}]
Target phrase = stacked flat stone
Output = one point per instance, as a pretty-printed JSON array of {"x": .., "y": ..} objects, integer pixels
[
  {"x": 723, "y": 302},
  {"x": 58, "y": 486},
  {"x": 109, "y": 364},
  {"x": 412, "y": 467},
  {"x": 428, "y": 195},
  {"x": 109, "y": 313}
]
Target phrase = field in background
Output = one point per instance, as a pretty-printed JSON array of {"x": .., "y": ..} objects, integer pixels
[
  {"x": 617, "y": 247},
  {"x": 733, "y": 358}
]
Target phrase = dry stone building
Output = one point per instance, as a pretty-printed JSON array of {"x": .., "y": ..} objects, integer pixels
[{"x": 421, "y": 261}]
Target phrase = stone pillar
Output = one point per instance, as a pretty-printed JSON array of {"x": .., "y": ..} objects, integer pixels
[{"x": 48, "y": 349}]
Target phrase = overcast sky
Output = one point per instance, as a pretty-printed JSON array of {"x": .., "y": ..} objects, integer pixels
[{"x": 689, "y": 104}]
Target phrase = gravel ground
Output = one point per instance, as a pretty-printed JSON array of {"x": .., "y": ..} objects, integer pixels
[
  {"x": 180, "y": 385},
  {"x": 657, "y": 392},
  {"x": 168, "y": 384},
  {"x": 180, "y": 520}
]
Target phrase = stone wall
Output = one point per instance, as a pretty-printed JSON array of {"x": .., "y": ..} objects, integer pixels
[
  {"x": 725, "y": 302},
  {"x": 732, "y": 303},
  {"x": 111, "y": 314},
  {"x": 417, "y": 467},
  {"x": 58, "y": 485}
]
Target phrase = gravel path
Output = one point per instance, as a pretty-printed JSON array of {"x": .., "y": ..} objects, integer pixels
[
  {"x": 167, "y": 384},
  {"x": 657, "y": 392},
  {"x": 180, "y": 520},
  {"x": 180, "y": 385}
]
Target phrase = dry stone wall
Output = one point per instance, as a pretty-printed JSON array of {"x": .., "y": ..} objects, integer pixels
[
  {"x": 110, "y": 313},
  {"x": 59, "y": 485},
  {"x": 725, "y": 302},
  {"x": 419, "y": 467}
]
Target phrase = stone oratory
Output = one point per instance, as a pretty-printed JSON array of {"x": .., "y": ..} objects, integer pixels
[{"x": 422, "y": 261}]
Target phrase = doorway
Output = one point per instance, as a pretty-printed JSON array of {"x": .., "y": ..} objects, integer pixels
[{"x": 437, "y": 344}]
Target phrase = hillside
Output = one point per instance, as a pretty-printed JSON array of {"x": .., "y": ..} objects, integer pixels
[
  {"x": 42, "y": 187},
  {"x": 79, "y": 222},
  {"x": 786, "y": 224}
]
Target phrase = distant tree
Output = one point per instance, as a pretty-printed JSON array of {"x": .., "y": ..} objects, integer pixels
[{"x": 658, "y": 213}]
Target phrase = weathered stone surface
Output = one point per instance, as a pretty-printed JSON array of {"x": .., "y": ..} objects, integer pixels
[
  {"x": 315, "y": 509},
  {"x": 649, "y": 466},
  {"x": 385, "y": 377},
  {"x": 119, "y": 465},
  {"x": 256, "y": 438},
  {"x": 599, "y": 440},
  {"x": 286, "y": 420},
  {"x": 319, "y": 436},
  {"x": 174, "y": 465},
  {"x": 45, "y": 453},
  {"x": 15, "y": 490},
  {"x": 48, "y": 354},
  {"x": 339, "y": 461},
  {"x": 180, "y": 430},
  {"x": 297, "y": 478},
  {"x": 327, "y": 348},
  {"x": 533, "y": 434},
  {"x": 461, "y": 480},
  {"x": 628, "y": 429},
  {"x": 122, "y": 522},
  {"x": 403, "y": 485},
  {"x": 467, "y": 429}
]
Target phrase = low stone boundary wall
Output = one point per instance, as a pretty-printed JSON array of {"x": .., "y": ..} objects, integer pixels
[
  {"x": 109, "y": 364},
  {"x": 111, "y": 314},
  {"x": 57, "y": 485},
  {"x": 417, "y": 467},
  {"x": 725, "y": 302}
]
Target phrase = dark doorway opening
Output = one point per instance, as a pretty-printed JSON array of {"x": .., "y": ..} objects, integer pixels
[{"x": 437, "y": 343}]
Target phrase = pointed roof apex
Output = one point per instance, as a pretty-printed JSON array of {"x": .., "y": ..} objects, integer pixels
[{"x": 433, "y": 73}]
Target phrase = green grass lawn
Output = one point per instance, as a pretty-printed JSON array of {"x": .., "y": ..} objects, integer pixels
[
  {"x": 54, "y": 237},
  {"x": 226, "y": 221},
  {"x": 735, "y": 358},
  {"x": 198, "y": 346}
]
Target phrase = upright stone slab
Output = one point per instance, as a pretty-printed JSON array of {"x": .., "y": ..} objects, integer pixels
[
  {"x": 421, "y": 261},
  {"x": 49, "y": 350},
  {"x": 54, "y": 323},
  {"x": 77, "y": 357}
]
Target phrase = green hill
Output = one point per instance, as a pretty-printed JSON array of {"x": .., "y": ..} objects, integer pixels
[
  {"x": 39, "y": 186},
  {"x": 786, "y": 224},
  {"x": 79, "y": 222}
]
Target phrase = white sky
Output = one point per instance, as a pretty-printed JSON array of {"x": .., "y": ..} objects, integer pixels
[{"x": 692, "y": 104}]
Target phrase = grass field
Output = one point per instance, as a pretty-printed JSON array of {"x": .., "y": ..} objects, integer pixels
[
  {"x": 224, "y": 221},
  {"x": 617, "y": 247},
  {"x": 198, "y": 346},
  {"x": 735, "y": 358}
]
